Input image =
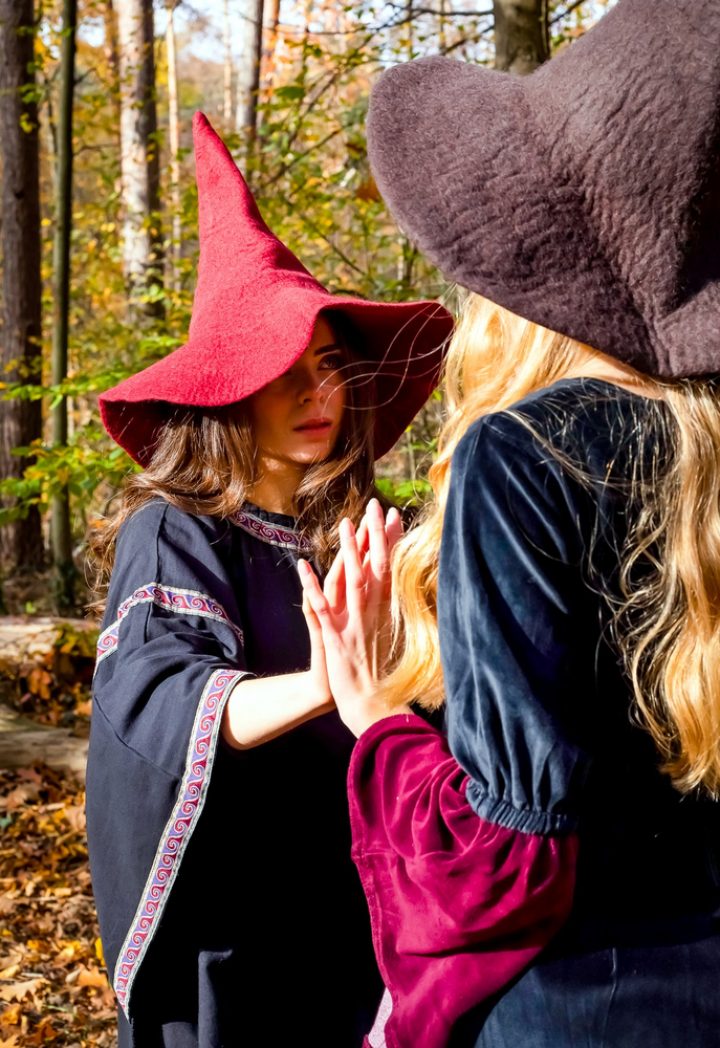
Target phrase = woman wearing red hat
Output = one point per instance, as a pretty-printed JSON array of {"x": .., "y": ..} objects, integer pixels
[
  {"x": 229, "y": 910},
  {"x": 547, "y": 874}
]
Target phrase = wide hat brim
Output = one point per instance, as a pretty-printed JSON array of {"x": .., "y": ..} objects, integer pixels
[
  {"x": 254, "y": 311},
  {"x": 583, "y": 197},
  {"x": 403, "y": 344}
]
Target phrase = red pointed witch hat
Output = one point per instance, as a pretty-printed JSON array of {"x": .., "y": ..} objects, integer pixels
[{"x": 254, "y": 312}]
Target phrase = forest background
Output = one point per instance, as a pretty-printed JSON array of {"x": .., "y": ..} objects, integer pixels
[{"x": 98, "y": 251}]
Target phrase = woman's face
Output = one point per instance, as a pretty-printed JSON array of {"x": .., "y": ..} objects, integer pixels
[{"x": 296, "y": 418}]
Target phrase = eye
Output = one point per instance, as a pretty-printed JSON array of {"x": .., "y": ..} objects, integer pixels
[{"x": 331, "y": 362}]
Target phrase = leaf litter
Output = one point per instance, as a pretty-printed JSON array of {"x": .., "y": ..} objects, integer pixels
[{"x": 53, "y": 985}]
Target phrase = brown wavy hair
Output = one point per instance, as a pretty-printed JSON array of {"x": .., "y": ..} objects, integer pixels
[
  {"x": 205, "y": 462},
  {"x": 667, "y": 625}
]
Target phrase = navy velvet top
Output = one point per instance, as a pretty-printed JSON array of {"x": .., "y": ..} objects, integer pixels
[
  {"x": 543, "y": 724},
  {"x": 539, "y": 882},
  {"x": 229, "y": 908}
]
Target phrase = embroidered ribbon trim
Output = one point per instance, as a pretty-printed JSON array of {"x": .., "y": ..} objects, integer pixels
[
  {"x": 270, "y": 533},
  {"x": 178, "y": 831},
  {"x": 180, "y": 601}
]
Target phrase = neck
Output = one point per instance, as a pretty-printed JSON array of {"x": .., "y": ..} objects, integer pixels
[{"x": 276, "y": 488}]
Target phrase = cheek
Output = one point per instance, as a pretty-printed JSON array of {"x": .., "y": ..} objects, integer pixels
[
  {"x": 264, "y": 419},
  {"x": 336, "y": 401}
]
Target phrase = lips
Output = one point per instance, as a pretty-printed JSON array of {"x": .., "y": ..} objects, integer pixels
[{"x": 314, "y": 425}]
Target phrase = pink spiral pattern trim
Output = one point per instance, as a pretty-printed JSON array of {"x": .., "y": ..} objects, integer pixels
[
  {"x": 271, "y": 533},
  {"x": 180, "y": 601},
  {"x": 177, "y": 832}
]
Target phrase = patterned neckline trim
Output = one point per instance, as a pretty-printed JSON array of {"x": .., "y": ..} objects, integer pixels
[{"x": 270, "y": 532}]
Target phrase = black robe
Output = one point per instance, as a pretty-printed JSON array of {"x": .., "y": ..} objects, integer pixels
[{"x": 229, "y": 908}]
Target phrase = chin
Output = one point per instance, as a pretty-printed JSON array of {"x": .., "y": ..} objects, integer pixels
[{"x": 312, "y": 458}]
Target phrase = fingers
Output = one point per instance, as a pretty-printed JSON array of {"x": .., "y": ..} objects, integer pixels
[
  {"x": 334, "y": 586},
  {"x": 393, "y": 527},
  {"x": 378, "y": 543},
  {"x": 313, "y": 625},
  {"x": 313, "y": 596},
  {"x": 354, "y": 577}
]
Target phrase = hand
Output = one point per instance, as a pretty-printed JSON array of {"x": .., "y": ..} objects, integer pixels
[{"x": 352, "y": 615}]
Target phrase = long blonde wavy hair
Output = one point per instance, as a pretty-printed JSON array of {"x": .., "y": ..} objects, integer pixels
[{"x": 667, "y": 625}]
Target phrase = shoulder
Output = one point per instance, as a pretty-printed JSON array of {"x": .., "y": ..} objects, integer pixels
[
  {"x": 160, "y": 522},
  {"x": 581, "y": 421}
]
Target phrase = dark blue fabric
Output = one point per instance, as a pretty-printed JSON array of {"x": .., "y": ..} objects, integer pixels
[
  {"x": 539, "y": 715},
  {"x": 265, "y": 934}
]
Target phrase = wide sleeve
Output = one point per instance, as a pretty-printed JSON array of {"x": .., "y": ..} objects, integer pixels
[
  {"x": 170, "y": 651},
  {"x": 466, "y": 845}
]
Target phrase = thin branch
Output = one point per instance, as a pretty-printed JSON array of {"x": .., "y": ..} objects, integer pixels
[
  {"x": 284, "y": 168},
  {"x": 568, "y": 11},
  {"x": 318, "y": 232}
]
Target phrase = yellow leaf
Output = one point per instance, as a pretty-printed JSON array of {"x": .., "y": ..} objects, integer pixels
[
  {"x": 18, "y": 991},
  {"x": 92, "y": 977}
]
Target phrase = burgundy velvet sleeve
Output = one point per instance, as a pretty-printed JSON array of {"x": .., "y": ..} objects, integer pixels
[{"x": 459, "y": 906}]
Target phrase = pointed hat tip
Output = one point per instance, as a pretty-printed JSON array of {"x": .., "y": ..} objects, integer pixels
[{"x": 200, "y": 123}]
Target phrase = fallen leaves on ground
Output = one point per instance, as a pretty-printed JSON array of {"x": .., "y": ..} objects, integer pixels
[
  {"x": 46, "y": 667},
  {"x": 53, "y": 987}
]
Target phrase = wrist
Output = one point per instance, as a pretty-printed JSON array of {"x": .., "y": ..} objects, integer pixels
[
  {"x": 317, "y": 690},
  {"x": 361, "y": 718}
]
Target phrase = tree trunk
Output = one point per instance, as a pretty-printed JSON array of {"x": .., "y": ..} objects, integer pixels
[
  {"x": 271, "y": 43},
  {"x": 249, "y": 71},
  {"x": 60, "y": 529},
  {"x": 21, "y": 545},
  {"x": 139, "y": 161},
  {"x": 227, "y": 69},
  {"x": 522, "y": 36},
  {"x": 174, "y": 142},
  {"x": 112, "y": 57}
]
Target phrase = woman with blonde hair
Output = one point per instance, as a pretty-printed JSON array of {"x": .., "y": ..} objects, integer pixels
[
  {"x": 229, "y": 909},
  {"x": 547, "y": 873}
]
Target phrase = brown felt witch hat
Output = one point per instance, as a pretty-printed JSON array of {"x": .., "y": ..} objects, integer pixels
[
  {"x": 253, "y": 316},
  {"x": 584, "y": 197}
]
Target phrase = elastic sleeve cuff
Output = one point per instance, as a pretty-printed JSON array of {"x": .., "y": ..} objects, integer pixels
[{"x": 525, "y": 820}]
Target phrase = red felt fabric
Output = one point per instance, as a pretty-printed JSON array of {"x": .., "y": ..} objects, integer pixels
[
  {"x": 459, "y": 906},
  {"x": 253, "y": 315}
]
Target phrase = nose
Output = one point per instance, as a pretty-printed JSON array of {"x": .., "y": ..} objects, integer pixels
[{"x": 309, "y": 386}]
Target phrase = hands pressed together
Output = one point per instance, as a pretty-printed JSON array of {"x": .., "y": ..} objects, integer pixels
[{"x": 349, "y": 617}]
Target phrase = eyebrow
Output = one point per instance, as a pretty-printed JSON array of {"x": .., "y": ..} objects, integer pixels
[{"x": 327, "y": 349}]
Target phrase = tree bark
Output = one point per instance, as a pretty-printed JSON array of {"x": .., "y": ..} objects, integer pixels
[
  {"x": 60, "y": 529},
  {"x": 522, "y": 37},
  {"x": 249, "y": 71},
  {"x": 271, "y": 43},
  {"x": 112, "y": 57},
  {"x": 139, "y": 159},
  {"x": 21, "y": 545},
  {"x": 228, "y": 107},
  {"x": 174, "y": 143}
]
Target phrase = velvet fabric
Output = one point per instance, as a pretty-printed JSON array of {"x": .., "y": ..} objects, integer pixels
[
  {"x": 540, "y": 883},
  {"x": 254, "y": 311},
  {"x": 459, "y": 905},
  {"x": 585, "y": 196}
]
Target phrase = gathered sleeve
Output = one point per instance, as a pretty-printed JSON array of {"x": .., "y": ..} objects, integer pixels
[
  {"x": 467, "y": 845},
  {"x": 170, "y": 652}
]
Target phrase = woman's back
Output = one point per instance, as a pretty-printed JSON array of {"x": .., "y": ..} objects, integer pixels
[{"x": 549, "y": 502}]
